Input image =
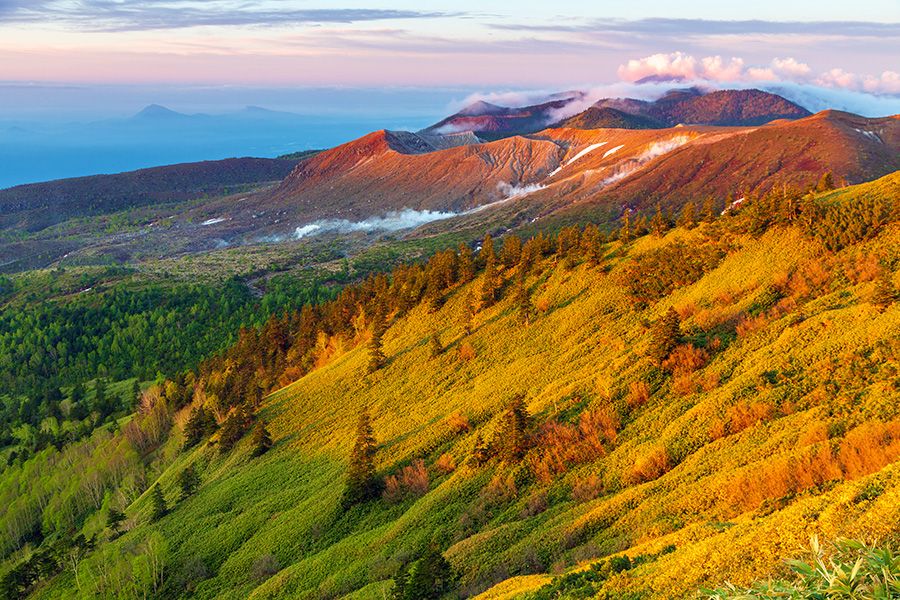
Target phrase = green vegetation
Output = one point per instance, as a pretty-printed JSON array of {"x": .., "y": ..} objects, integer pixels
[
  {"x": 853, "y": 570},
  {"x": 633, "y": 446}
]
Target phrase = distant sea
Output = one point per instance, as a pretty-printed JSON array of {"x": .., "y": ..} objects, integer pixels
[{"x": 33, "y": 151}]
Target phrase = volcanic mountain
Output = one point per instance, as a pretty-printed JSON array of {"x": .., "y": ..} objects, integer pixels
[
  {"x": 558, "y": 168},
  {"x": 490, "y": 121},
  {"x": 682, "y": 106}
]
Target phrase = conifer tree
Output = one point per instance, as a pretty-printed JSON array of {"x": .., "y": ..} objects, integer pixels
[
  {"x": 262, "y": 441},
  {"x": 114, "y": 520},
  {"x": 659, "y": 224},
  {"x": 158, "y": 508},
  {"x": 514, "y": 439},
  {"x": 524, "y": 305},
  {"x": 885, "y": 292},
  {"x": 362, "y": 482},
  {"x": 626, "y": 230},
  {"x": 233, "y": 429},
  {"x": 376, "y": 351},
  {"x": 481, "y": 452},
  {"x": 688, "y": 216},
  {"x": 664, "y": 336},
  {"x": 200, "y": 424},
  {"x": 826, "y": 182},
  {"x": 490, "y": 283},
  {"x": 135, "y": 393},
  {"x": 188, "y": 481},
  {"x": 429, "y": 578},
  {"x": 466, "y": 264},
  {"x": 435, "y": 345},
  {"x": 708, "y": 214},
  {"x": 467, "y": 314}
]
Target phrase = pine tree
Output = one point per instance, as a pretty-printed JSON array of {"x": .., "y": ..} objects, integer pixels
[
  {"x": 200, "y": 424},
  {"x": 664, "y": 336},
  {"x": 708, "y": 214},
  {"x": 481, "y": 452},
  {"x": 467, "y": 314},
  {"x": 376, "y": 352},
  {"x": 435, "y": 345},
  {"x": 626, "y": 230},
  {"x": 158, "y": 504},
  {"x": 524, "y": 305},
  {"x": 466, "y": 264},
  {"x": 262, "y": 441},
  {"x": 490, "y": 283},
  {"x": 135, "y": 393},
  {"x": 688, "y": 216},
  {"x": 114, "y": 520},
  {"x": 362, "y": 482},
  {"x": 659, "y": 224},
  {"x": 429, "y": 578},
  {"x": 885, "y": 292},
  {"x": 189, "y": 481},
  {"x": 514, "y": 433},
  {"x": 826, "y": 182},
  {"x": 233, "y": 429}
]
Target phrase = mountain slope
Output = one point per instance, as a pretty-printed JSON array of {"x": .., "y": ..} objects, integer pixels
[
  {"x": 597, "y": 170},
  {"x": 39, "y": 205},
  {"x": 607, "y": 117},
  {"x": 775, "y": 417},
  {"x": 387, "y": 171},
  {"x": 490, "y": 121}
]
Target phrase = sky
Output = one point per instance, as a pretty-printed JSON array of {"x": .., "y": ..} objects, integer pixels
[
  {"x": 460, "y": 44},
  {"x": 405, "y": 63}
]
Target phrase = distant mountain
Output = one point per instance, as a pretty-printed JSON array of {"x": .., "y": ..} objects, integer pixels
[
  {"x": 607, "y": 117},
  {"x": 681, "y": 106},
  {"x": 38, "y": 205},
  {"x": 155, "y": 112},
  {"x": 490, "y": 121},
  {"x": 690, "y": 106}
]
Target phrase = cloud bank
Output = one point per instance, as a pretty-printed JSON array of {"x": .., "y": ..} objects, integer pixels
[
  {"x": 679, "y": 66},
  {"x": 144, "y": 15}
]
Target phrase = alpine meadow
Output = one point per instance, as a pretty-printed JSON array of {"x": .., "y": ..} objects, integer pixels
[{"x": 624, "y": 325}]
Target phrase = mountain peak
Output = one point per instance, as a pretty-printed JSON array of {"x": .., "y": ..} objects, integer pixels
[
  {"x": 156, "y": 111},
  {"x": 480, "y": 108}
]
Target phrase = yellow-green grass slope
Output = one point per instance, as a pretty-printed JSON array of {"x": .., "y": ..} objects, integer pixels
[{"x": 585, "y": 348}]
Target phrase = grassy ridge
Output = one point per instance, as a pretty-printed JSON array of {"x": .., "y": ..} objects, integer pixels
[{"x": 782, "y": 421}]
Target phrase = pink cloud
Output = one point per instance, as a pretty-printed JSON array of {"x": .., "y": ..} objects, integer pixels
[{"x": 717, "y": 69}]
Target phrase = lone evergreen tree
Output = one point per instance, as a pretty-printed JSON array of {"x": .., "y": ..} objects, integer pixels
[
  {"x": 362, "y": 483},
  {"x": 523, "y": 302},
  {"x": 435, "y": 345},
  {"x": 885, "y": 292},
  {"x": 467, "y": 314},
  {"x": 514, "y": 433},
  {"x": 262, "y": 441},
  {"x": 376, "y": 352},
  {"x": 429, "y": 578},
  {"x": 664, "y": 336},
  {"x": 114, "y": 520},
  {"x": 158, "y": 508},
  {"x": 189, "y": 481}
]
